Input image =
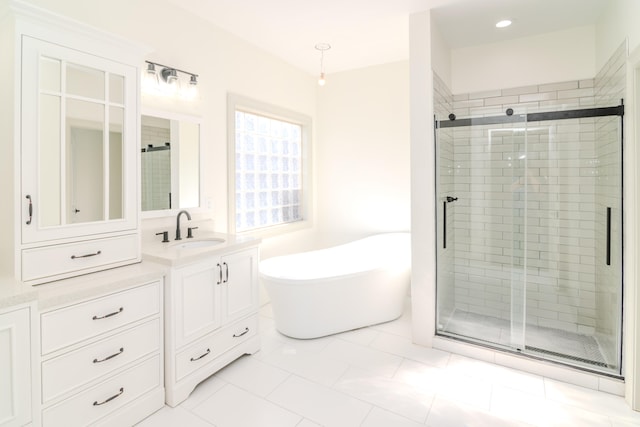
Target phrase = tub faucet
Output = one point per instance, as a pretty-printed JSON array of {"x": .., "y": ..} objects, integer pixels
[{"x": 178, "y": 223}]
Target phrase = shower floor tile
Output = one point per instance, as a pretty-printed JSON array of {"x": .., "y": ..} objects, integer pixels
[{"x": 543, "y": 341}]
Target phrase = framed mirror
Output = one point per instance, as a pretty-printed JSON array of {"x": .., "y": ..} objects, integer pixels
[{"x": 169, "y": 163}]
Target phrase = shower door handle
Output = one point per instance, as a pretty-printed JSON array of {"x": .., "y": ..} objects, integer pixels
[
  {"x": 608, "y": 236},
  {"x": 444, "y": 225},
  {"x": 448, "y": 199}
]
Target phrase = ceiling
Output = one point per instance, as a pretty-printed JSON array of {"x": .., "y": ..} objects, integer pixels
[{"x": 369, "y": 32}]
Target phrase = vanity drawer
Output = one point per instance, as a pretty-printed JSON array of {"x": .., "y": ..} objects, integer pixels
[
  {"x": 90, "y": 405},
  {"x": 49, "y": 261},
  {"x": 208, "y": 348},
  {"x": 69, "y": 325},
  {"x": 69, "y": 371}
]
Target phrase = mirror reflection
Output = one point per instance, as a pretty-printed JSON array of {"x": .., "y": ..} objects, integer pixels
[
  {"x": 170, "y": 163},
  {"x": 75, "y": 157}
]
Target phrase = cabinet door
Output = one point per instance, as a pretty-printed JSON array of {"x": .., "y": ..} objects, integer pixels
[
  {"x": 240, "y": 293},
  {"x": 197, "y": 294},
  {"x": 15, "y": 368},
  {"x": 79, "y": 140}
]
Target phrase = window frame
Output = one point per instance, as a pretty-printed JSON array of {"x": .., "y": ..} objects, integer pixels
[{"x": 252, "y": 106}]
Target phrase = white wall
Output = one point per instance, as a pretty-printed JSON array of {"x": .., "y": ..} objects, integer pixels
[
  {"x": 440, "y": 55},
  {"x": 362, "y": 153},
  {"x": 423, "y": 208},
  {"x": 548, "y": 58},
  {"x": 619, "y": 22}
]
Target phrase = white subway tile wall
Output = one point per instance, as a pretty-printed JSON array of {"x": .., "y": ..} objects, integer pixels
[
  {"x": 155, "y": 169},
  {"x": 531, "y": 213}
]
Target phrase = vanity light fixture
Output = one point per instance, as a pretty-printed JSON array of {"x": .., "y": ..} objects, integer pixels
[
  {"x": 322, "y": 47},
  {"x": 503, "y": 24},
  {"x": 167, "y": 81}
]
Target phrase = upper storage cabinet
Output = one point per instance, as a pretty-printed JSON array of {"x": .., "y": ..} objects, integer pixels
[
  {"x": 79, "y": 142},
  {"x": 70, "y": 173}
]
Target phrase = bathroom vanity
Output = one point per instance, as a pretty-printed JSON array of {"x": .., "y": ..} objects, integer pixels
[
  {"x": 211, "y": 306},
  {"x": 103, "y": 335}
]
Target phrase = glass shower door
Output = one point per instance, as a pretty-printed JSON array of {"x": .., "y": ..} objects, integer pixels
[
  {"x": 573, "y": 242},
  {"x": 481, "y": 271},
  {"x": 530, "y": 235}
]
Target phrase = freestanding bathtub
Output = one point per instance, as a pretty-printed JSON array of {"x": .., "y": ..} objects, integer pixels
[{"x": 341, "y": 288}]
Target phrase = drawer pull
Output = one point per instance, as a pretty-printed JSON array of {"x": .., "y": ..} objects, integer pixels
[
  {"x": 120, "y": 310},
  {"x": 96, "y": 403},
  {"x": 200, "y": 357},
  {"x": 246, "y": 330},
  {"x": 109, "y": 357},
  {"x": 85, "y": 256}
]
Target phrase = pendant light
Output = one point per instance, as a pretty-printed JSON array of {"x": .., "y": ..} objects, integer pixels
[{"x": 322, "y": 47}]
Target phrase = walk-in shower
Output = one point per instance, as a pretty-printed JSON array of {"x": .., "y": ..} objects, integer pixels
[{"x": 530, "y": 233}]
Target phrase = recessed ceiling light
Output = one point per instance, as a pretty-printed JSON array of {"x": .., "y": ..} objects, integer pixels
[{"x": 502, "y": 24}]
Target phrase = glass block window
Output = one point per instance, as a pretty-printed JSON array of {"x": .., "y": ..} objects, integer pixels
[{"x": 268, "y": 171}]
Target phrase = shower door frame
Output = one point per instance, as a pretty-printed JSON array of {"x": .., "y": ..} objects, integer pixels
[{"x": 527, "y": 118}]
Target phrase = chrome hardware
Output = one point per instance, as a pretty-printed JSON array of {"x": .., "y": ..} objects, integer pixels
[
  {"x": 120, "y": 310},
  {"x": 85, "y": 256},
  {"x": 109, "y": 399},
  {"x": 246, "y": 330},
  {"x": 109, "y": 357},
  {"x": 30, "y": 209},
  {"x": 226, "y": 269},
  {"x": 200, "y": 357},
  {"x": 220, "y": 272}
]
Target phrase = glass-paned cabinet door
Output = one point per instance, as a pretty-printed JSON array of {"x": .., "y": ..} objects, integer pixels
[{"x": 79, "y": 139}]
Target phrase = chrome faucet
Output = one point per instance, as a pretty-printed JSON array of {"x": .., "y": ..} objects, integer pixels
[{"x": 178, "y": 223}]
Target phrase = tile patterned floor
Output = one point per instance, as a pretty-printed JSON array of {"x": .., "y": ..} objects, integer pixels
[{"x": 375, "y": 377}]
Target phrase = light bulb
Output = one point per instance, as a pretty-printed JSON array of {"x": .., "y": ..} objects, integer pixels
[{"x": 321, "y": 80}]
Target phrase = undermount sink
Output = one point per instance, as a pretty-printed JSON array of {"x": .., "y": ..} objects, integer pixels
[{"x": 201, "y": 243}]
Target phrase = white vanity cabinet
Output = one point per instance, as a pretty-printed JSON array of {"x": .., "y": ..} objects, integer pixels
[
  {"x": 102, "y": 358},
  {"x": 15, "y": 367},
  {"x": 212, "y": 318},
  {"x": 73, "y": 165}
]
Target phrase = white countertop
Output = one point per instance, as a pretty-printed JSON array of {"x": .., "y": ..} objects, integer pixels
[
  {"x": 173, "y": 254},
  {"x": 79, "y": 288},
  {"x": 14, "y": 293}
]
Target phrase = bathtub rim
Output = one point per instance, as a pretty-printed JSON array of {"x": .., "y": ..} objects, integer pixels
[{"x": 347, "y": 274}]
